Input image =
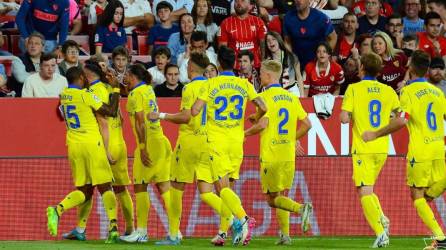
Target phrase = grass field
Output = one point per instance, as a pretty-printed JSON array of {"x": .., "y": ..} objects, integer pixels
[{"x": 313, "y": 243}]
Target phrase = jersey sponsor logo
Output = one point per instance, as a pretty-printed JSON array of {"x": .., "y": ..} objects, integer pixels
[
  {"x": 45, "y": 16},
  {"x": 244, "y": 45},
  {"x": 392, "y": 77}
]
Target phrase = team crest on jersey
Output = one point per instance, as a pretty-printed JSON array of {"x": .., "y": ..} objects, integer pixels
[
  {"x": 55, "y": 7},
  {"x": 253, "y": 28},
  {"x": 303, "y": 30},
  {"x": 396, "y": 63}
]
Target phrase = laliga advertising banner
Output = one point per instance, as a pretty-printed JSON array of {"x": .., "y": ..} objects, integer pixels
[{"x": 34, "y": 178}]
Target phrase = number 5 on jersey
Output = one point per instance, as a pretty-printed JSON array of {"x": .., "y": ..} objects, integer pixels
[{"x": 71, "y": 118}]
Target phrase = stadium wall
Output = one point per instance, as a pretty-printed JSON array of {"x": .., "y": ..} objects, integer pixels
[{"x": 35, "y": 174}]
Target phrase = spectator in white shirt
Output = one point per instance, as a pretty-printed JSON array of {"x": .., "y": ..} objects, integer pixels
[
  {"x": 179, "y": 7},
  {"x": 202, "y": 14},
  {"x": 45, "y": 83},
  {"x": 199, "y": 44},
  {"x": 162, "y": 58},
  {"x": 95, "y": 10},
  {"x": 137, "y": 13}
]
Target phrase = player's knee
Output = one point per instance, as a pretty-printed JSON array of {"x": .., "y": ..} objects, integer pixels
[{"x": 270, "y": 199}]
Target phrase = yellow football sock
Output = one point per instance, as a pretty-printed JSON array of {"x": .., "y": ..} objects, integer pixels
[
  {"x": 232, "y": 201},
  {"x": 436, "y": 189},
  {"x": 226, "y": 218},
  {"x": 176, "y": 209},
  {"x": 83, "y": 212},
  {"x": 220, "y": 208},
  {"x": 73, "y": 199},
  {"x": 212, "y": 200},
  {"x": 372, "y": 214},
  {"x": 126, "y": 202},
  {"x": 428, "y": 217},
  {"x": 287, "y": 204},
  {"x": 142, "y": 209},
  {"x": 283, "y": 218},
  {"x": 378, "y": 204},
  {"x": 110, "y": 206}
]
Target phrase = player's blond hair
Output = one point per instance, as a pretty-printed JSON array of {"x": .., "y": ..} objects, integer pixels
[{"x": 273, "y": 67}]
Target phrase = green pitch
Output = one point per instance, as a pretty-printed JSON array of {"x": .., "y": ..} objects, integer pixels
[{"x": 308, "y": 243}]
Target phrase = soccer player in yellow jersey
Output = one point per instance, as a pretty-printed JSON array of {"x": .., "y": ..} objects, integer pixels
[
  {"x": 191, "y": 155},
  {"x": 111, "y": 131},
  {"x": 86, "y": 152},
  {"x": 370, "y": 104},
  {"x": 423, "y": 109},
  {"x": 225, "y": 98},
  {"x": 278, "y": 136},
  {"x": 153, "y": 154}
]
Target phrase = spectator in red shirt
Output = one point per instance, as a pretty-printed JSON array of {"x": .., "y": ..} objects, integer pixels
[
  {"x": 346, "y": 40},
  {"x": 323, "y": 75},
  {"x": 431, "y": 40},
  {"x": 394, "y": 61},
  {"x": 243, "y": 32}
]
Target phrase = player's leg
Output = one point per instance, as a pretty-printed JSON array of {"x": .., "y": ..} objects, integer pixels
[
  {"x": 83, "y": 212},
  {"x": 142, "y": 213},
  {"x": 435, "y": 190},
  {"x": 110, "y": 207},
  {"x": 283, "y": 219},
  {"x": 125, "y": 200}
]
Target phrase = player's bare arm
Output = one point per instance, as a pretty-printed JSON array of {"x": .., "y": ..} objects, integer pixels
[
  {"x": 182, "y": 117},
  {"x": 103, "y": 129},
  {"x": 345, "y": 116},
  {"x": 261, "y": 107},
  {"x": 304, "y": 127},
  {"x": 257, "y": 127},
  {"x": 110, "y": 109},
  {"x": 140, "y": 128},
  {"x": 394, "y": 125},
  {"x": 197, "y": 107}
]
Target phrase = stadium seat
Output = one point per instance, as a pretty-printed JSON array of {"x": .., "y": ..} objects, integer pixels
[
  {"x": 143, "y": 48},
  {"x": 15, "y": 45},
  {"x": 83, "y": 41},
  {"x": 5, "y": 46},
  {"x": 7, "y": 62}
]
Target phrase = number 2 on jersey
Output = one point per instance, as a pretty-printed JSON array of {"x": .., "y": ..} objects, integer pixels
[
  {"x": 223, "y": 101},
  {"x": 283, "y": 112},
  {"x": 70, "y": 113},
  {"x": 430, "y": 117},
  {"x": 375, "y": 113}
]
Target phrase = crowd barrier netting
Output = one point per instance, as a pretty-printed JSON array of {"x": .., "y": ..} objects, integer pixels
[{"x": 29, "y": 185}]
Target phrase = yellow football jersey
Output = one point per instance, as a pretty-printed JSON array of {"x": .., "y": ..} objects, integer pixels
[
  {"x": 103, "y": 91},
  {"x": 142, "y": 99},
  {"x": 197, "y": 124},
  {"x": 279, "y": 137},
  {"x": 226, "y": 96},
  {"x": 370, "y": 104},
  {"x": 424, "y": 106},
  {"x": 77, "y": 106}
]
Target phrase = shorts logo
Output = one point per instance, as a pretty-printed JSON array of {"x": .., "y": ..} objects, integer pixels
[{"x": 359, "y": 162}]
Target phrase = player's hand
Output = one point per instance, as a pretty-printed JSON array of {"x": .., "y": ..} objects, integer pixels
[
  {"x": 368, "y": 136},
  {"x": 145, "y": 158},
  {"x": 111, "y": 78},
  {"x": 299, "y": 149},
  {"x": 400, "y": 85},
  {"x": 153, "y": 116},
  {"x": 252, "y": 118},
  {"x": 110, "y": 159}
]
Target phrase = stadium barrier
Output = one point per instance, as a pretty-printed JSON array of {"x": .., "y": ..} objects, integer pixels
[{"x": 35, "y": 174}]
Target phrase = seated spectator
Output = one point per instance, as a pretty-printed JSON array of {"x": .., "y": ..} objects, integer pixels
[
  {"x": 120, "y": 62},
  {"x": 211, "y": 71},
  {"x": 439, "y": 7},
  {"x": 180, "y": 7},
  {"x": 346, "y": 39},
  {"x": 394, "y": 29},
  {"x": 159, "y": 34},
  {"x": 70, "y": 52},
  {"x": 202, "y": 14},
  {"x": 110, "y": 32},
  {"x": 431, "y": 40},
  {"x": 437, "y": 74},
  {"x": 46, "y": 17},
  {"x": 47, "y": 82},
  {"x": 95, "y": 11},
  {"x": 4, "y": 91},
  {"x": 138, "y": 16},
  {"x": 323, "y": 75},
  {"x": 412, "y": 23},
  {"x": 162, "y": 58},
  {"x": 199, "y": 44},
  {"x": 360, "y": 8},
  {"x": 172, "y": 86},
  {"x": 2, "y": 42},
  {"x": 291, "y": 78},
  {"x": 24, "y": 65},
  {"x": 409, "y": 45},
  {"x": 372, "y": 21},
  {"x": 245, "y": 59},
  {"x": 394, "y": 61},
  {"x": 75, "y": 20},
  {"x": 177, "y": 41}
]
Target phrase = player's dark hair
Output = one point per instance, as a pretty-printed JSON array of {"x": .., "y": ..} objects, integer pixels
[
  {"x": 69, "y": 44},
  {"x": 107, "y": 16},
  {"x": 170, "y": 65},
  {"x": 199, "y": 35},
  {"x": 96, "y": 69},
  {"x": 200, "y": 60},
  {"x": 372, "y": 64},
  {"x": 431, "y": 16},
  {"x": 247, "y": 53},
  {"x": 226, "y": 58},
  {"x": 47, "y": 56},
  {"x": 163, "y": 50},
  {"x": 73, "y": 74},
  {"x": 140, "y": 72},
  {"x": 420, "y": 62}
]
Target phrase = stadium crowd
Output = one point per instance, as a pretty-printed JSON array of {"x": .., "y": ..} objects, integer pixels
[{"x": 318, "y": 42}]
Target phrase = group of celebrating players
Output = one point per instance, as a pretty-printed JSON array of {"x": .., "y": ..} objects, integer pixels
[{"x": 209, "y": 147}]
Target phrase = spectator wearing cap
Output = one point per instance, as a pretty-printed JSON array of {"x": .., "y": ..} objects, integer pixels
[
  {"x": 47, "y": 82},
  {"x": 159, "y": 34},
  {"x": 110, "y": 33},
  {"x": 431, "y": 40},
  {"x": 50, "y": 18},
  {"x": 180, "y": 7},
  {"x": 372, "y": 21},
  {"x": 70, "y": 52},
  {"x": 437, "y": 74},
  {"x": 172, "y": 87},
  {"x": 304, "y": 28}
]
